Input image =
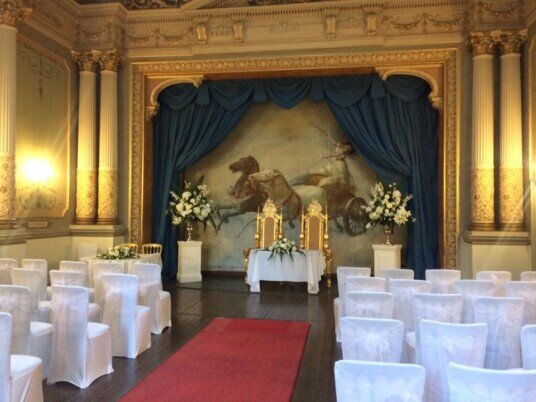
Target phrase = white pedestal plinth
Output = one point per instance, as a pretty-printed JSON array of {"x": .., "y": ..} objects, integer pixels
[
  {"x": 386, "y": 257},
  {"x": 189, "y": 269}
]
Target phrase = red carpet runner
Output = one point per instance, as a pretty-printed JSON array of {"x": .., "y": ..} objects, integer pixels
[{"x": 230, "y": 360}]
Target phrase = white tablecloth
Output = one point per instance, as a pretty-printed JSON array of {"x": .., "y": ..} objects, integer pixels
[{"x": 305, "y": 268}]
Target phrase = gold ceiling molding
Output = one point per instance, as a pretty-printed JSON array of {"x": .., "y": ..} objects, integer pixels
[{"x": 436, "y": 66}]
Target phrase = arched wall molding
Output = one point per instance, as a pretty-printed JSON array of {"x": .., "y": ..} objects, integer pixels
[
  {"x": 439, "y": 67},
  {"x": 162, "y": 83},
  {"x": 436, "y": 92}
]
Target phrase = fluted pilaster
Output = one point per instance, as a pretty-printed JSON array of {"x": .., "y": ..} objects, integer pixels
[
  {"x": 11, "y": 12},
  {"x": 482, "y": 169},
  {"x": 511, "y": 152},
  {"x": 86, "y": 175},
  {"x": 107, "y": 194}
]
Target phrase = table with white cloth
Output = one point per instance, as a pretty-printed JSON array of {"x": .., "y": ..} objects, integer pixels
[
  {"x": 127, "y": 263},
  {"x": 307, "y": 267}
]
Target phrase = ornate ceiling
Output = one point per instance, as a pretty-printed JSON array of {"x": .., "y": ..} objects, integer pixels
[{"x": 154, "y": 4}]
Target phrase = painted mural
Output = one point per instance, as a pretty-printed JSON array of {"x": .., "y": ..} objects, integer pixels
[{"x": 293, "y": 157}]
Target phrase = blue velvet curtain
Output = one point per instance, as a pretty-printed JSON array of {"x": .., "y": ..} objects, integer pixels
[{"x": 390, "y": 123}]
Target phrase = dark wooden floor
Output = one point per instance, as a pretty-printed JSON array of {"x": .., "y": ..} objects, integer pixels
[{"x": 195, "y": 305}]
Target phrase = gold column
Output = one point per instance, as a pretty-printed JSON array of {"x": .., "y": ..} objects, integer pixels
[
  {"x": 109, "y": 62},
  {"x": 511, "y": 136},
  {"x": 86, "y": 171},
  {"x": 482, "y": 168},
  {"x": 11, "y": 12}
]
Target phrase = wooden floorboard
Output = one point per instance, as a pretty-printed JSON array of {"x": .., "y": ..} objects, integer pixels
[{"x": 195, "y": 305}]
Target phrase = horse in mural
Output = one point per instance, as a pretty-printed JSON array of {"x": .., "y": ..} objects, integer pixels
[
  {"x": 341, "y": 201},
  {"x": 246, "y": 195},
  {"x": 290, "y": 199}
]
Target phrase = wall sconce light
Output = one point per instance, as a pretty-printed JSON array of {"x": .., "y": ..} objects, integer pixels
[{"x": 37, "y": 194}]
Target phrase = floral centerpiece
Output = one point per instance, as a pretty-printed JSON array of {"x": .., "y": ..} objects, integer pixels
[
  {"x": 193, "y": 205},
  {"x": 387, "y": 207},
  {"x": 283, "y": 246},
  {"x": 118, "y": 253}
]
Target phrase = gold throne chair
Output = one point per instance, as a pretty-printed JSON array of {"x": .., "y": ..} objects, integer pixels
[
  {"x": 314, "y": 234},
  {"x": 268, "y": 228}
]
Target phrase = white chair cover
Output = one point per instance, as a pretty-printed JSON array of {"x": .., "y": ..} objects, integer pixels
[
  {"x": 102, "y": 268},
  {"x": 29, "y": 338},
  {"x": 81, "y": 350},
  {"x": 20, "y": 376},
  {"x": 371, "y": 339},
  {"x": 42, "y": 266},
  {"x": 6, "y": 325},
  {"x": 403, "y": 291},
  {"x": 33, "y": 280},
  {"x": 75, "y": 278},
  {"x": 389, "y": 274},
  {"x": 528, "y": 276},
  {"x": 151, "y": 295},
  {"x": 130, "y": 325},
  {"x": 497, "y": 277},
  {"x": 362, "y": 284},
  {"x": 6, "y": 265},
  {"x": 442, "y": 279},
  {"x": 342, "y": 273},
  {"x": 79, "y": 266},
  {"x": 472, "y": 290},
  {"x": 378, "y": 382},
  {"x": 437, "y": 307},
  {"x": 526, "y": 291},
  {"x": 504, "y": 317},
  {"x": 528, "y": 346},
  {"x": 87, "y": 250},
  {"x": 442, "y": 343},
  {"x": 368, "y": 304},
  {"x": 471, "y": 384}
]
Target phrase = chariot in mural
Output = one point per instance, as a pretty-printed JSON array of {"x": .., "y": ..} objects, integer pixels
[{"x": 329, "y": 184}]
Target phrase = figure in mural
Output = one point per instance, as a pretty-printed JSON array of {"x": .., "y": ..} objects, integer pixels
[{"x": 245, "y": 195}]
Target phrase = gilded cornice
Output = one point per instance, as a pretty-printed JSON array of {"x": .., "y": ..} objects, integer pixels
[{"x": 12, "y": 12}]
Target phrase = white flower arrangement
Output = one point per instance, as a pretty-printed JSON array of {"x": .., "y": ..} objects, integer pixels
[
  {"x": 283, "y": 246},
  {"x": 118, "y": 253},
  {"x": 387, "y": 206},
  {"x": 192, "y": 205}
]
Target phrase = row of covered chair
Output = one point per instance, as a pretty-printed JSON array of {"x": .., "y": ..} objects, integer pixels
[{"x": 130, "y": 307}]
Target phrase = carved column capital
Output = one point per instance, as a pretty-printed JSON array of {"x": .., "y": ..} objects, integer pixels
[
  {"x": 110, "y": 60},
  {"x": 12, "y": 11},
  {"x": 482, "y": 43},
  {"x": 511, "y": 41},
  {"x": 86, "y": 61}
]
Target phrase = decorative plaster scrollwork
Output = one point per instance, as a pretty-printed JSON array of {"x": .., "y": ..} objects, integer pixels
[
  {"x": 13, "y": 11},
  {"x": 7, "y": 189},
  {"x": 435, "y": 98},
  {"x": 110, "y": 60},
  {"x": 482, "y": 212},
  {"x": 511, "y": 41},
  {"x": 421, "y": 23},
  {"x": 511, "y": 196},
  {"x": 86, "y": 61},
  {"x": 86, "y": 191},
  {"x": 443, "y": 57},
  {"x": 157, "y": 37},
  {"x": 107, "y": 196},
  {"x": 152, "y": 108}
]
